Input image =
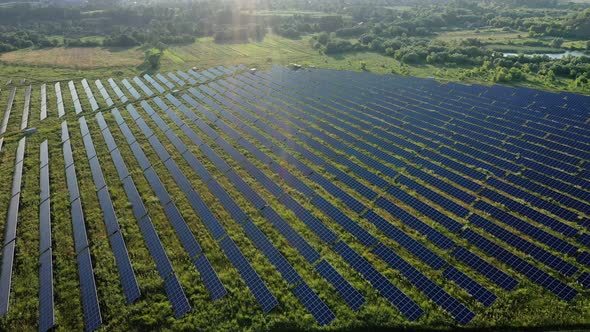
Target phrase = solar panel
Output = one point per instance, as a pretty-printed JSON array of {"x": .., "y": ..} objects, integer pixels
[
  {"x": 212, "y": 283},
  {"x": 43, "y": 113},
  {"x": 137, "y": 206},
  {"x": 143, "y": 87},
  {"x": 90, "y": 306},
  {"x": 249, "y": 193},
  {"x": 155, "y": 84},
  {"x": 410, "y": 244},
  {"x": 182, "y": 230},
  {"x": 25, "y": 117},
  {"x": 60, "y": 104},
  {"x": 536, "y": 275},
  {"x": 177, "y": 297},
  {"x": 78, "y": 225},
  {"x": 131, "y": 89},
  {"x": 486, "y": 269},
  {"x": 205, "y": 215},
  {"x": 155, "y": 247},
  {"x": 271, "y": 253},
  {"x": 46, "y": 307},
  {"x": 314, "y": 304},
  {"x": 227, "y": 202},
  {"x": 44, "y": 226},
  {"x": 6, "y": 277},
  {"x": 75, "y": 98},
  {"x": 309, "y": 219},
  {"x": 432, "y": 234},
  {"x": 119, "y": 164},
  {"x": 106, "y": 205},
  {"x": 353, "y": 298},
  {"x": 584, "y": 280},
  {"x": 126, "y": 274},
  {"x": 461, "y": 313},
  {"x": 396, "y": 297},
  {"x": 260, "y": 291},
  {"x": 480, "y": 293},
  {"x": 72, "y": 183}
]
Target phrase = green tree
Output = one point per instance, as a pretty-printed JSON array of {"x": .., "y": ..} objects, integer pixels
[{"x": 556, "y": 42}]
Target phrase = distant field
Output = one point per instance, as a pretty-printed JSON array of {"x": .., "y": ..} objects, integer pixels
[
  {"x": 488, "y": 34},
  {"x": 76, "y": 57}
]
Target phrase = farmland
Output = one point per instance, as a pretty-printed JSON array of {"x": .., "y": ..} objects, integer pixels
[{"x": 311, "y": 199}]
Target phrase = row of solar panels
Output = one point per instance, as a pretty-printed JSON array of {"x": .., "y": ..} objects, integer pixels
[
  {"x": 9, "y": 243},
  {"x": 46, "y": 299},
  {"x": 25, "y": 118},
  {"x": 90, "y": 306},
  {"x": 6, "y": 116}
]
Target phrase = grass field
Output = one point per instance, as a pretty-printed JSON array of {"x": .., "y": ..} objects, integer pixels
[
  {"x": 36, "y": 66},
  {"x": 75, "y": 57}
]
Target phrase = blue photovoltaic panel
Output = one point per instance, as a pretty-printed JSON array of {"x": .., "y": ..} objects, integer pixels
[
  {"x": 44, "y": 225},
  {"x": 459, "y": 311},
  {"x": 271, "y": 253},
  {"x": 185, "y": 235},
  {"x": 584, "y": 280},
  {"x": 78, "y": 225},
  {"x": 137, "y": 206},
  {"x": 314, "y": 304},
  {"x": 584, "y": 258},
  {"x": 419, "y": 250},
  {"x": 6, "y": 277},
  {"x": 433, "y": 235},
  {"x": 353, "y": 298},
  {"x": 205, "y": 215},
  {"x": 126, "y": 274},
  {"x": 476, "y": 290},
  {"x": 536, "y": 275},
  {"x": 155, "y": 247},
  {"x": 309, "y": 219},
  {"x": 263, "y": 296},
  {"x": 294, "y": 238},
  {"x": 396, "y": 297},
  {"x": 106, "y": 205},
  {"x": 97, "y": 175},
  {"x": 46, "y": 307},
  {"x": 212, "y": 283},
  {"x": 355, "y": 229},
  {"x": 246, "y": 190},
  {"x": 92, "y": 316},
  {"x": 176, "y": 296},
  {"x": 486, "y": 269},
  {"x": 227, "y": 202}
]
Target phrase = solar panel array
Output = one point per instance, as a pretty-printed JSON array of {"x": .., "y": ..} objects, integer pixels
[
  {"x": 432, "y": 195},
  {"x": 90, "y": 306}
]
